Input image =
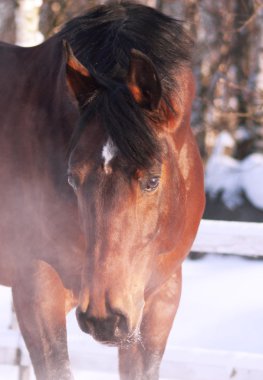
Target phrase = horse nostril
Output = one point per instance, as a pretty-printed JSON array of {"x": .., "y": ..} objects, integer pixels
[
  {"x": 109, "y": 329},
  {"x": 120, "y": 326},
  {"x": 83, "y": 321}
]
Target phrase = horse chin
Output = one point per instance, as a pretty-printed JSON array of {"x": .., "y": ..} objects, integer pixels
[
  {"x": 117, "y": 341},
  {"x": 123, "y": 342}
]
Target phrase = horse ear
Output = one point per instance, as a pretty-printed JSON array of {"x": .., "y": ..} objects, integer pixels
[
  {"x": 80, "y": 82},
  {"x": 143, "y": 81}
]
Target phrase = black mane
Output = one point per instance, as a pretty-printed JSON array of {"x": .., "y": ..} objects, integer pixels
[{"x": 102, "y": 40}]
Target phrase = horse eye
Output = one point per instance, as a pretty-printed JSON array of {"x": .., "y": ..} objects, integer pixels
[
  {"x": 151, "y": 184},
  {"x": 72, "y": 181}
]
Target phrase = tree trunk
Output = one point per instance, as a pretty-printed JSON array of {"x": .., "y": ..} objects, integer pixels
[
  {"x": 256, "y": 74},
  {"x": 7, "y": 20},
  {"x": 27, "y": 23},
  {"x": 54, "y": 13}
]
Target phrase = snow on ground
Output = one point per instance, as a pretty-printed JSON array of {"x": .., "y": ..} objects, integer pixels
[
  {"x": 221, "y": 305},
  {"x": 221, "y": 309}
]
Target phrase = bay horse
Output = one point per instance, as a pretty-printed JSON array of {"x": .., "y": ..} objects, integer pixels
[{"x": 101, "y": 189}]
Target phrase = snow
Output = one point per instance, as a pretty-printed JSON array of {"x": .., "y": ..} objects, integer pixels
[
  {"x": 221, "y": 306},
  {"x": 232, "y": 177},
  {"x": 221, "y": 309},
  {"x": 252, "y": 179}
]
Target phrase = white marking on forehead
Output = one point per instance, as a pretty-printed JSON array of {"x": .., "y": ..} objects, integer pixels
[{"x": 108, "y": 152}]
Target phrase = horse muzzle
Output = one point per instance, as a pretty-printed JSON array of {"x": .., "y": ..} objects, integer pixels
[{"x": 112, "y": 330}]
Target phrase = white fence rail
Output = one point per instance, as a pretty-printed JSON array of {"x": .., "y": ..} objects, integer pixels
[{"x": 237, "y": 238}]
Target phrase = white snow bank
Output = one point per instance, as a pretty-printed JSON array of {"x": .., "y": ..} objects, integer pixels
[{"x": 232, "y": 177}]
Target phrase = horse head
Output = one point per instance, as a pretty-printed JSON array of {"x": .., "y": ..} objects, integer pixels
[{"x": 129, "y": 190}]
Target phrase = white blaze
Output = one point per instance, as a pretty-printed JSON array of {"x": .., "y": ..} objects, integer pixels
[{"x": 108, "y": 152}]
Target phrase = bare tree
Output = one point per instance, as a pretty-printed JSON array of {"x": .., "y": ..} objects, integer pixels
[
  {"x": 55, "y": 13},
  {"x": 7, "y": 20},
  {"x": 227, "y": 65},
  {"x": 158, "y": 4},
  {"x": 255, "y": 109},
  {"x": 27, "y": 23}
]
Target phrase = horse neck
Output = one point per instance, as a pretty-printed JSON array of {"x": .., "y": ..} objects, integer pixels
[
  {"x": 47, "y": 72},
  {"x": 37, "y": 114},
  {"x": 46, "y": 93}
]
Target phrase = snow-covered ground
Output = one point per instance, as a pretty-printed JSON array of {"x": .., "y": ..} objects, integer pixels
[
  {"x": 221, "y": 309},
  {"x": 221, "y": 305}
]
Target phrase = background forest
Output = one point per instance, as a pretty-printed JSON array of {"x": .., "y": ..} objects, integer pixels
[{"x": 228, "y": 67}]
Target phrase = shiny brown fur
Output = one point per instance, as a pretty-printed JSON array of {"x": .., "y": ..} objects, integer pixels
[{"x": 114, "y": 246}]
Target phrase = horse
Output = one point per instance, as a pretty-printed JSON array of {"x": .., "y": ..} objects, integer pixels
[{"x": 101, "y": 189}]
